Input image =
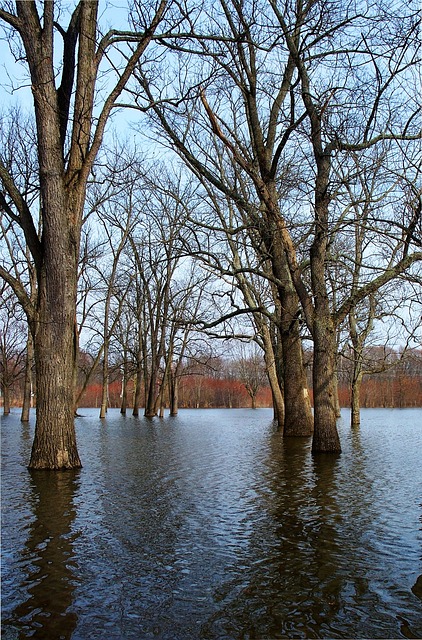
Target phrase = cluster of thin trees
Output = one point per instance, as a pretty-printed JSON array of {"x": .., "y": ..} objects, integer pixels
[{"x": 277, "y": 195}]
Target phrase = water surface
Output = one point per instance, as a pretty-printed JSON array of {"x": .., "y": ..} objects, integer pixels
[{"x": 209, "y": 525}]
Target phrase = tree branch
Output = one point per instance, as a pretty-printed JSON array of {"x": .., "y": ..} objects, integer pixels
[
  {"x": 24, "y": 219},
  {"x": 375, "y": 285}
]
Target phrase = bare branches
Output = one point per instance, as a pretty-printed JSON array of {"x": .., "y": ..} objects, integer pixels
[{"x": 24, "y": 216}]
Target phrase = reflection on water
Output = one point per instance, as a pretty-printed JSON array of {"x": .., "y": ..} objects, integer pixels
[
  {"x": 47, "y": 561},
  {"x": 209, "y": 525}
]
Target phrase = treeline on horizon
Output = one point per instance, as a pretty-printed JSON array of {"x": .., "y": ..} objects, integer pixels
[{"x": 223, "y": 383}]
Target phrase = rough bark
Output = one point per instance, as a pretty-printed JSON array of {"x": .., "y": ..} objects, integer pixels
[
  {"x": 325, "y": 439},
  {"x": 298, "y": 420},
  {"x": 54, "y": 444}
]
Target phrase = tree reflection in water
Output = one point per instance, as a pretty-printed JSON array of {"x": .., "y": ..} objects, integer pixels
[
  {"x": 298, "y": 586},
  {"x": 48, "y": 555}
]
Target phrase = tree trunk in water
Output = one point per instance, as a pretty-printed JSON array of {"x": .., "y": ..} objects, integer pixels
[
  {"x": 55, "y": 354},
  {"x": 337, "y": 399},
  {"x": 174, "y": 393},
  {"x": 138, "y": 388},
  {"x": 27, "y": 391},
  {"x": 298, "y": 420},
  {"x": 6, "y": 400},
  {"x": 104, "y": 388},
  {"x": 160, "y": 401},
  {"x": 326, "y": 439},
  {"x": 336, "y": 395},
  {"x": 151, "y": 399},
  {"x": 277, "y": 395},
  {"x": 123, "y": 405},
  {"x": 355, "y": 400}
]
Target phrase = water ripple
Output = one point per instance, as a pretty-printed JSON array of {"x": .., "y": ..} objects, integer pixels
[{"x": 209, "y": 525}]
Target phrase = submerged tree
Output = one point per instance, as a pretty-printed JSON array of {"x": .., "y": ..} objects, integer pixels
[
  {"x": 286, "y": 91},
  {"x": 70, "y": 122}
]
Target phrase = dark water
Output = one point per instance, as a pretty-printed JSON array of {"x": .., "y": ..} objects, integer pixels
[{"x": 208, "y": 525}]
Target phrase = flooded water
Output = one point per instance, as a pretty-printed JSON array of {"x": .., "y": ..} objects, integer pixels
[{"x": 209, "y": 525}]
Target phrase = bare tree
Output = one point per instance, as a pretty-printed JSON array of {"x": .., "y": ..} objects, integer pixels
[
  {"x": 251, "y": 370},
  {"x": 70, "y": 124},
  {"x": 315, "y": 57},
  {"x": 238, "y": 261}
]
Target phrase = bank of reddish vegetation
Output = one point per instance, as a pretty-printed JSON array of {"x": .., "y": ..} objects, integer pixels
[
  {"x": 203, "y": 392},
  {"x": 396, "y": 386}
]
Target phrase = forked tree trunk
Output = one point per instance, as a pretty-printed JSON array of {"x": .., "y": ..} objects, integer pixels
[
  {"x": 298, "y": 420},
  {"x": 67, "y": 144}
]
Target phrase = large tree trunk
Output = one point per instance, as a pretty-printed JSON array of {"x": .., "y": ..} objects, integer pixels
[
  {"x": 326, "y": 438},
  {"x": 298, "y": 419},
  {"x": 56, "y": 257},
  {"x": 151, "y": 396},
  {"x": 55, "y": 353},
  {"x": 67, "y": 144}
]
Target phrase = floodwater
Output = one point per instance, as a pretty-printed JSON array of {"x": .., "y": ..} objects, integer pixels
[{"x": 208, "y": 525}]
